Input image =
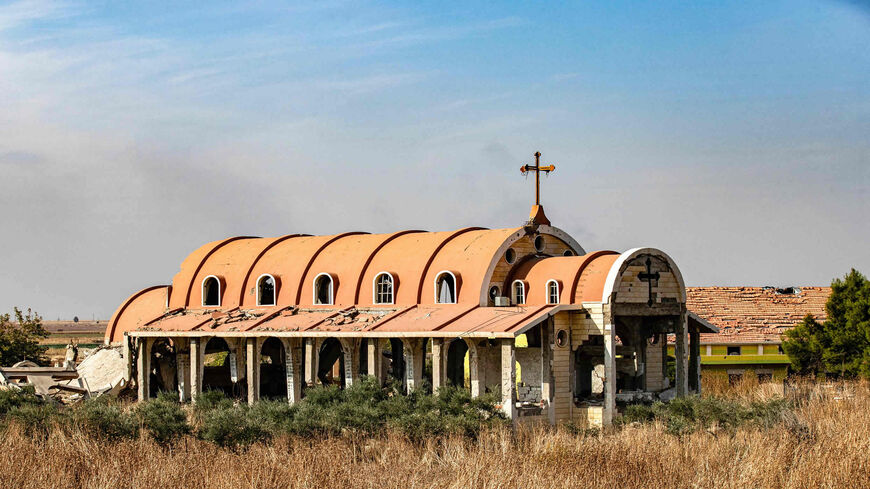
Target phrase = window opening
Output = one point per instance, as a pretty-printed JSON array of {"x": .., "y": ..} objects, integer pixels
[
  {"x": 211, "y": 292},
  {"x": 323, "y": 289},
  {"x": 266, "y": 291},
  {"x": 384, "y": 289},
  {"x": 446, "y": 287},
  {"x": 519, "y": 293},
  {"x": 734, "y": 350},
  {"x": 510, "y": 256},
  {"x": 552, "y": 292}
]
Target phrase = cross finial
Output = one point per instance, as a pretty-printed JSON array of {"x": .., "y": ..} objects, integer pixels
[{"x": 537, "y": 168}]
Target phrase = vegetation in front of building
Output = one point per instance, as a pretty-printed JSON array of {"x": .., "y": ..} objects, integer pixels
[{"x": 841, "y": 344}]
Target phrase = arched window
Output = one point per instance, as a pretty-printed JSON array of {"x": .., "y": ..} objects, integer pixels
[
  {"x": 323, "y": 289},
  {"x": 552, "y": 292},
  {"x": 519, "y": 292},
  {"x": 445, "y": 288},
  {"x": 266, "y": 290},
  {"x": 211, "y": 292},
  {"x": 383, "y": 288},
  {"x": 494, "y": 292}
]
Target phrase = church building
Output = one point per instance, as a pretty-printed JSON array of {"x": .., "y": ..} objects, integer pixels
[{"x": 558, "y": 332}]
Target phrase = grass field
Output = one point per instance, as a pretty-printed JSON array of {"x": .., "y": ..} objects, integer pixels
[
  {"x": 85, "y": 334},
  {"x": 823, "y": 441}
]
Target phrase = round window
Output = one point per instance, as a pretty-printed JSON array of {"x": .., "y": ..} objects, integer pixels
[
  {"x": 539, "y": 243},
  {"x": 568, "y": 253},
  {"x": 510, "y": 256},
  {"x": 493, "y": 293},
  {"x": 562, "y": 338}
]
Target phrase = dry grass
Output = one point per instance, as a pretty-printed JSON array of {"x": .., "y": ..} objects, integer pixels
[{"x": 826, "y": 444}]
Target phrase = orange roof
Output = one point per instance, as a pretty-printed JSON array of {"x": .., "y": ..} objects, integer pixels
[
  {"x": 754, "y": 314},
  {"x": 415, "y": 259}
]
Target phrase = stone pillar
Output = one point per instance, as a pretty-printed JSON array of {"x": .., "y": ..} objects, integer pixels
[
  {"x": 609, "y": 373},
  {"x": 547, "y": 370},
  {"x": 508, "y": 378},
  {"x": 293, "y": 359},
  {"x": 695, "y": 362},
  {"x": 143, "y": 368},
  {"x": 681, "y": 355},
  {"x": 196, "y": 355},
  {"x": 310, "y": 352},
  {"x": 127, "y": 354},
  {"x": 439, "y": 364},
  {"x": 350, "y": 351},
  {"x": 473, "y": 366},
  {"x": 182, "y": 368},
  {"x": 413, "y": 351},
  {"x": 374, "y": 359},
  {"x": 252, "y": 362}
]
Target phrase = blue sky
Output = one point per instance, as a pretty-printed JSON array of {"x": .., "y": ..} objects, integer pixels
[{"x": 733, "y": 135}]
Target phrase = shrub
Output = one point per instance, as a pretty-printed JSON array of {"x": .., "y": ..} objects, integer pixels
[
  {"x": 13, "y": 398},
  {"x": 35, "y": 419},
  {"x": 163, "y": 418},
  {"x": 232, "y": 427},
  {"x": 105, "y": 420}
]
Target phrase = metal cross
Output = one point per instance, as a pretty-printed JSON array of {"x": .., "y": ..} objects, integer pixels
[
  {"x": 648, "y": 277},
  {"x": 537, "y": 168}
]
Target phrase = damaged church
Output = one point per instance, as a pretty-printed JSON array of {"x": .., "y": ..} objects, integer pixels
[{"x": 559, "y": 333}]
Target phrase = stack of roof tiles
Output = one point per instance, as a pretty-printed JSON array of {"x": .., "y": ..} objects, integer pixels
[{"x": 754, "y": 314}]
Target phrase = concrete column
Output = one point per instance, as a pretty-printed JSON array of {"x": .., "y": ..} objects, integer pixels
[
  {"x": 374, "y": 359},
  {"x": 439, "y": 364},
  {"x": 293, "y": 359},
  {"x": 547, "y": 370},
  {"x": 609, "y": 374},
  {"x": 143, "y": 368},
  {"x": 681, "y": 355},
  {"x": 350, "y": 351},
  {"x": 508, "y": 378},
  {"x": 182, "y": 368},
  {"x": 197, "y": 348},
  {"x": 413, "y": 352},
  {"x": 695, "y": 362},
  {"x": 473, "y": 366},
  {"x": 127, "y": 354},
  {"x": 310, "y": 352},
  {"x": 252, "y": 361}
]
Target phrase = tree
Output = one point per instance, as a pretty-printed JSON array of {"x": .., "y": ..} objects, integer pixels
[
  {"x": 19, "y": 338},
  {"x": 841, "y": 344}
]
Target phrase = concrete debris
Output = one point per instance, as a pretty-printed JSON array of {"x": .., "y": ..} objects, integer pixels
[{"x": 104, "y": 371}]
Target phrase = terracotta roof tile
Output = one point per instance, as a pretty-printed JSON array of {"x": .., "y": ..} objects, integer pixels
[{"x": 754, "y": 314}]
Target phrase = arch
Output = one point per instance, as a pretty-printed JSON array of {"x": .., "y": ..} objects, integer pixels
[
  {"x": 323, "y": 290},
  {"x": 435, "y": 254},
  {"x": 314, "y": 257},
  {"x": 587, "y": 259},
  {"x": 330, "y": 352},
  {"x": 616, "y": 270},
  {"x": 273, "y": 369},
  {"x": 553, "y": 291},
  {"x": 518, "y": 292},
  {"x": 383, "y": 288},
  {"x": 216, "y": 367},
  {"x": 113, "y": 322},
  {"x": 211, "y": 291},
  {"x": 204, "y": 259},
  {"x": 456, "y": 352},
  {"x": 372, "y": 255},
  {"x": 267, "y": 290},
  {"x": 163, "y": 374},
  {"x": 446, "y": 278},
  {"x": 257, "y": 260}
]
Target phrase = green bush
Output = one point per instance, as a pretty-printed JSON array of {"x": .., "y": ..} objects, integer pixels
[
  {"x": 233, "y": 427},
  {"x": 105, "y": 420},
  {"x": 686, "y": 414},
  {"x": 13, "y": 398},
  {"x": 35, "y": 419},
  {"x": 163, "y": 418}
]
